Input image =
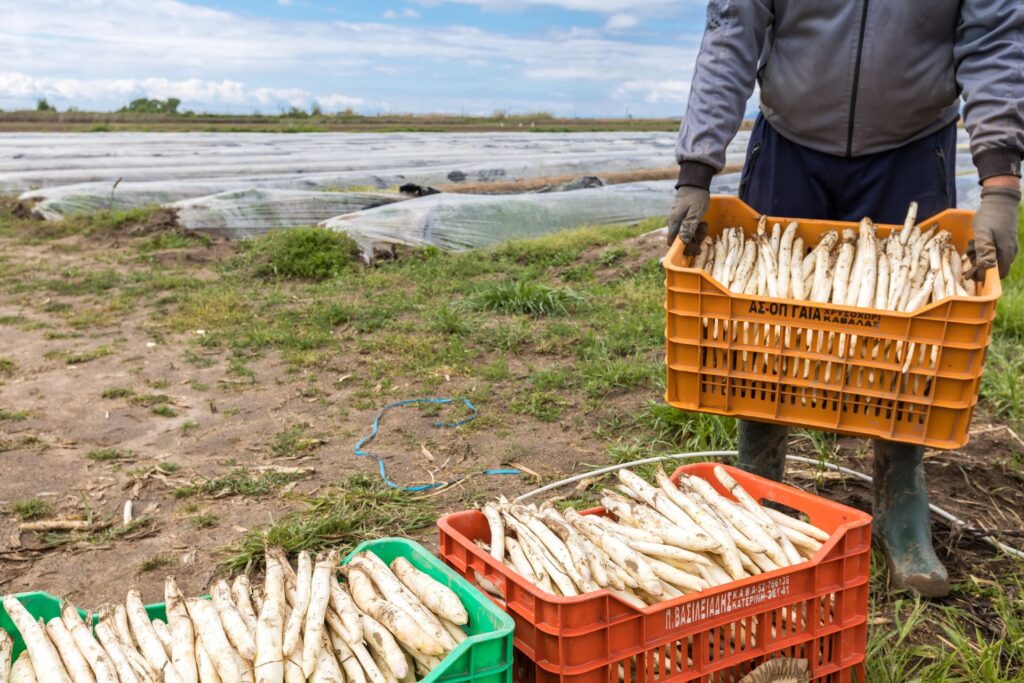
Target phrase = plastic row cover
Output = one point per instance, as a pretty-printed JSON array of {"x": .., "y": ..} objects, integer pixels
[
  {"x": 64, "y": 200},
  {"x": 250, "y": 213},
  {"x": 458, "y": 222}
]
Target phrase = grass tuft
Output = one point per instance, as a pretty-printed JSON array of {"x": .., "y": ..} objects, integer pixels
[
  {"x": 352, "y": 511},
  {"x": 239, "y": 483},
  {"x": 516, "y": 297},
  {"x": 107, "y": 454},
  {"x": 31, "y": 509},
  {"x": 304, "y": 254},
  {"x": 297, "y": 440}
]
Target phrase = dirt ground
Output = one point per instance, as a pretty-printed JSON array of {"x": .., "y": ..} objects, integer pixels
[{"x": 218, "y": 421}]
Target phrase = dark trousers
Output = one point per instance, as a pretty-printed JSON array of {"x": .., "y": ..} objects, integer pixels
[
  {"x": 781, "y": 178},
  {"x": 784, "y": 179}
]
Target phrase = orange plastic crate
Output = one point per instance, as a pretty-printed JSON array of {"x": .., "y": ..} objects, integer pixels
[
  {"x": 778, "y": 360},
  {"x": 816, "y": 610}
]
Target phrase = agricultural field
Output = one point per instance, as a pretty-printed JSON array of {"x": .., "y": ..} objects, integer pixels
[{"x": 221, "y": 387}]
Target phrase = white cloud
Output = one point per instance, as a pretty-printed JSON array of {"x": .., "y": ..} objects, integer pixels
[
  {"x": 284, "y": 3},
  {"x": 653, "y": 91},
  {"x": 621, "y": 22},
  {"x": 407, "y": 13},
  {"x": 100, "y": 52},
  {"x": 606, "y": 6},
  {"x": 81, "y": 92}
]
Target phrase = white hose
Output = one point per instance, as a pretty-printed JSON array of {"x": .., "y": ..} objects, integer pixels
[{"x": 949, "y": 517}]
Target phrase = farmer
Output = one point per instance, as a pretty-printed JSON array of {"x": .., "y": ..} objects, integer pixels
[{"x": 859, "y": 102}]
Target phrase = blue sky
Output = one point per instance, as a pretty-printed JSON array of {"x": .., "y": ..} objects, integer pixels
[{"x": 569, "y": 57}]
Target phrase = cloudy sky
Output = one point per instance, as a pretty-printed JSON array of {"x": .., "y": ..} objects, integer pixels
[{"x": 570, "y": 57}]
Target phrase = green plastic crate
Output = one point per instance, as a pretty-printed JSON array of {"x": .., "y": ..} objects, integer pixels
[
  {"x": 47, "y": 606},
  {"x": 486, "y": 655}
]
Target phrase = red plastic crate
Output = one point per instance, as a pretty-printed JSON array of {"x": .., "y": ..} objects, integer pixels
[{"x": 816, "y": 610}]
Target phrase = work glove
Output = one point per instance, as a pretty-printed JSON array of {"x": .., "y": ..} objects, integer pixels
[
  {"x": 690, "y": 207},
  {"x": 995, "y": 230}
]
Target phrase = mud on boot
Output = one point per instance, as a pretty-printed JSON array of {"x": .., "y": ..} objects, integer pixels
[{"x": 902, "y": 524}]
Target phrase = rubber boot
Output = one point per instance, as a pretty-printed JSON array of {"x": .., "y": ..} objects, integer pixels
[
  {"x": 762, "y": 449},
  {"x": 902, "y": 524}
]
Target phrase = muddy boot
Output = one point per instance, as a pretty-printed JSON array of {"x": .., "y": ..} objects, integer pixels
[
  {"x": 902, "y": 525},
  {"x": 762, "y": 449}
]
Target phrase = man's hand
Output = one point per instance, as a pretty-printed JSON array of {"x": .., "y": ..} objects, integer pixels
[
  {"x": 995, "y": 225},
  {"x": 690, "y": 207}
]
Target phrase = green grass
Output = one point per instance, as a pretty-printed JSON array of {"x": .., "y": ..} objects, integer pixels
[
  {"x": 675, "y": 430},
  {"x": 79, "y": 357},
  {"x": 296, "y": 440},
  {"x": 108, "y": 454},
  {"x": 513, "y": 297},
  {"x": 349, "y": 512},
  {"x": 13, "y": 415},
  {"x": 239, "y": 482},
  {"x": 149, "y": 400},
  {"x": 7, "y": 367},
  {"x": 163, "y": 411},
  {"x": 159, "y": 561},
  {"x": 117, "y": 392},
  {"x": 31, "y": 509},
  {"x": 303, "y": 253},
  {"x": 205, "y": 520},
  {"x": 966, "y": 648}
]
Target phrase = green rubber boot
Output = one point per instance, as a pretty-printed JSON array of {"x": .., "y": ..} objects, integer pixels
[
  {"x": 902, "y": 525},
  {"x": 762, "y": 449}
]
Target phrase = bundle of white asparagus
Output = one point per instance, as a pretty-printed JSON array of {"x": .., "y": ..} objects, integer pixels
[
  {"x": 655, "y": 544},
  {"x": 387, "y": 624},
  {"x": 902, "y": 272}
]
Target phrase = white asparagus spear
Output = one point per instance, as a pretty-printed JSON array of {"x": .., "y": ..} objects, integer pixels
[
  {"x": 164, "y": 635},
  {"x": 343, "y": 653},
  {"x": 786, "y": 259},
  {"x": 303, "y": 579},
  {"x": 241, "y": 595},
  {"x": 343, "y": 605},
  {"x": 208, "y": 626},
  {"x": 145, "y": 635},
  {"x": 183, "y": 636},
  {"x": 497, "y": 529},
  {"x": 390, "y": 586},
  {"x": 6, "y": 646},
  {"x": 234, "y": 626},
  {"x": 747, "y": 501},
  {"x": 22, "y": 671},
  {"x": 114, "y": 650},
  {"x": 45, "y": 659},
  {"x": 436, "y": 596},
  {"x": 325, "y": 669},
  {"x": 519, "y": 562},
  {"x": 784, "y": 520},
  {"x": 119, "y": 622},
  {"x": 320, "y": 597},
  {"x": 667, "y": 506},
  {"x": 74, "y": 662},
  {"x": 383, "y": 642},
  {"x": 391, "y": 614},
  {"x": 207, "y": 672},
  {"x": 269, "y": 661},
  {"x": 99, "y": 662}
]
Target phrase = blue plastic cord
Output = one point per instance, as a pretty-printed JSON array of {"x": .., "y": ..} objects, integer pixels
[{"x": 358, "y": 449}]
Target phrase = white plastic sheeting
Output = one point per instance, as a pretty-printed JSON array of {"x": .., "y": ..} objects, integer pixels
[
  {"x": 250, "y": 213},
  {"x": 32, "y": 161},
  {"x": 457, "y": 222}
]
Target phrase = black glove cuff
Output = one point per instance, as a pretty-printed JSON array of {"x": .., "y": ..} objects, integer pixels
[
  {"x": 1001, "y": 161},
  {"x": 696, "y": 174}
]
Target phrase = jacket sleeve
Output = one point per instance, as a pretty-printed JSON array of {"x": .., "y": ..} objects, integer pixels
[
  {"x": 989, "y": 55},
  {"x": 722, "y": 84}
]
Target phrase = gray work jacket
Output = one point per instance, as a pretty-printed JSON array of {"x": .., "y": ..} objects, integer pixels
[{"x": 855, "y": 77}]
